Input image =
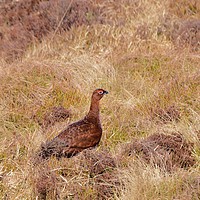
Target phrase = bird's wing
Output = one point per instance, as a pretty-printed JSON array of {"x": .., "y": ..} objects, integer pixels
[
  {"x": 77, "y": 129},
  {"x": 81, "y": 134},
  {"x": 85, "y": 141}
]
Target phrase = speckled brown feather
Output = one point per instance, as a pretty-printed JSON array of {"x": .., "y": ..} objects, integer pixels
[{"x": 78, "y": 136}]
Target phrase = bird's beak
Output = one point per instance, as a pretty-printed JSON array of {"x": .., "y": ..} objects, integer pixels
[{"x": 105, "y": 92}]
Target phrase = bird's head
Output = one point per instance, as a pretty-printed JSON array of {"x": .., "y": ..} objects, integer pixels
[{"x": 98, "y": 94}]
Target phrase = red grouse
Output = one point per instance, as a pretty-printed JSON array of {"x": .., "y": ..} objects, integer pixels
[{"x": 77, "y": 136}]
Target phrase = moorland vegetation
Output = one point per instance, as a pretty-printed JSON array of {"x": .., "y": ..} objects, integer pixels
[{"x": 53, "y": 54}]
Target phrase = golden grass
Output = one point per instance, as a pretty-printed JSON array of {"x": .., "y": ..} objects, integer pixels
[
  {"x": 142, "y": 77},
  {"x": 146, "y": 182}
]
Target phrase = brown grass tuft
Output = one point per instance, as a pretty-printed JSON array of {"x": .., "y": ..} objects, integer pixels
[
  {"x": 168, "y": 114},
  {"x": 187, "y": 34},
  {"x": 99, "y": 162},
  {"x": 56, "y": 114},
  {"x": 102, "y": 168},
  {"x": 45, "y": 182},
  {"x": 165, "y": 151}
]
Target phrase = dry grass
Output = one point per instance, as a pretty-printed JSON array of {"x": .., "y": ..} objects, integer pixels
[
  {"x": 146, "y": 182},
  {"x": 153, "y": 88}
]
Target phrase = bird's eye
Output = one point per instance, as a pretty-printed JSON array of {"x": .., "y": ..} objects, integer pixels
[{"x": 100, "y": 92}]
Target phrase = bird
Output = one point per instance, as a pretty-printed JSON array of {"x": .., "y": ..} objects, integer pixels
[{"x": 80, "y": 135}]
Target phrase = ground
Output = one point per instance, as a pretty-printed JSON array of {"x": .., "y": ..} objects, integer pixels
[{"x": 53, "y": 54}]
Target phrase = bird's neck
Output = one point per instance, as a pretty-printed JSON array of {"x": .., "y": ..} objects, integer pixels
[{"x": 93, "y": 113}]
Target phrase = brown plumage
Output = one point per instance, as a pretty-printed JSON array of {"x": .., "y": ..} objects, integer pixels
[{"x": 77, "y": 136}]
